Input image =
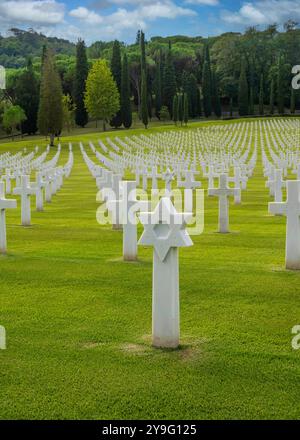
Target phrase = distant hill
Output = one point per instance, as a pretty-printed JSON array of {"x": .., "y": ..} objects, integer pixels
[{"x": 20, "y": 44}]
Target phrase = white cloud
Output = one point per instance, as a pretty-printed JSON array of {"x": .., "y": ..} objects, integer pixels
[
  {"x": 115, "y": 24},
  {"x": 84, "y": 14},
  {"x": 40, "y": 12},
  {"x": 263, "y": 12},
  {"x": 203, "y": 2}
]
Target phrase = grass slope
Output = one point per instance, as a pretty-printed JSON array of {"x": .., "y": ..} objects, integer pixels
[{"x": 78, "y": 318}]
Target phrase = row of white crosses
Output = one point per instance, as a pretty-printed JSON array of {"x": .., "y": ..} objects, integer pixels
[{"x": 50, "y": 180}]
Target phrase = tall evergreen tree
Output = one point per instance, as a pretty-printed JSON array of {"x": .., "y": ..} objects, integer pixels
[
  {"x": 251, "y": 101},
  {"x": 280, "y": 87},
  {"x": 180, "y": 108},
  {"x": 27, "y": 97},
  {"x": 207, "y": 84},
  {"x": 231, "y": 107},
  {"x": 185, "y": 108},
  {"x": 261, "y": 96},
  {"x": 144, "y": 100},
  {"x": 272, "y": 97},
  {"x": 243, "y": 91},
  {"x": 169, "y": 82},
  {"x": 143, "y": 51},
  {"x": 116, "y": 69},
  {"x": 216, "y": 101},
  {"x": 126, "y": 112},
  {"x": 175, "y": 109},
  {"x": 158, "y": 89},
  {"x": 50, "y": 114},
  {"x": 81, "y": 73}
]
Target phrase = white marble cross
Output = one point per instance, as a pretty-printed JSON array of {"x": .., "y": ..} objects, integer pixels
[
  {"x": 114, "y": 204},
  {"x": 164, "y": 229},
  {"x": 4, "y": 204},
  {"x": 25, "y": 191},
  {"x": 239, "y": 183},
  {"x": 8, "y": 177},
  {"x": 168, "y": 177},
  {"x": 130, "y": 206},
  {"x": 155, "y": 175},
  {"x": 278, "y": 185},
  {"x": 188, "y": 184},
  {"x": 223, "y": 192},
  {"x": 39, "y": 185},
  {"x": 291, "y": 209}
]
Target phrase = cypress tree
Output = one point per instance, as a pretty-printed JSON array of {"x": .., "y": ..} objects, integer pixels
[
  {"x": 157, "y": 85},
  {"x": 261, "y": 96},
  {"x": 243, "y": 91},
  {"x": 143, "y": 51},
  {"x": 272, "y": 97},
  {"x": 144, "y": 100},
  {"x": 175, "y": 109},
  {"x": 185, "y": 109},
  {"x": 126, "y": 113},
  {"x": 116, "y": 70},
  {"x": 251, "y": 101},
  {"x": 207, "y": 84},
  {"x": 293, "y": 101},
  {"x": 216, "y": 101},
  {"x": 199, "y": 107},
  {"x": 50, "y": 114},
  {"x": 27, "y": 97},
  {"x": 180, "y": 108},
  {"x": 192, "y": 95},
  {"x": 169, "y": 82},
  {"x": 280, "y": 86},
  {"x": 81, "y": 73}
]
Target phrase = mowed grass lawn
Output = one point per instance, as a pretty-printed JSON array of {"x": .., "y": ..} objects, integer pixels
[{"x": 78, "y": 319}]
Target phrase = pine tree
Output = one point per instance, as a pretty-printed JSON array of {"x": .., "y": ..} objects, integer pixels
[
  {"x": 175, "y": 109},
  {"x": 180, "y": 108},
  {"x": 27, "y": 97},
  {"x": 81, "y": 73},
  {"x": 169, "y": 82},
  {"x": 272, "y": 97},
  {"x": 261, "y": 96},
  {"x": 207, "y": 84},
  {"x": 50, "y": 114},
  {"x": 293, "y": 101},
  {"x": 126, "y": 112},
  {"x": 144, "y": 100},
  {"x": 185, "y": 109},
  {"x": 280, "y": 87},
  {"x": 116, "y": 69},
  {"x": 243, "y": 91},
  {"x": 158, "y": 90}
]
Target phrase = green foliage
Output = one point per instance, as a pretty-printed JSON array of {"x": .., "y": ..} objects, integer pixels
[
  {"x": 50, "y": 114},
  {"x": 243, "y": 91},
  {"x": 180, "y": 108},
  {"x": 126, "y": 111},
  {"x": 207, "y": 84},
  {"x": 175, "y": 109},
  {"x": 102, "y": 99},
  {"x": 81, "y": 73},
  {"x": 280, "y": 86},
  {"x": 144, "y": 100},
  {"x": 27, "y": 97},
  {"x": 69, "y": 110},
  {"x": 261, "y": 96},
  {"x": 293, "y": 101},
  {"x": 185, "y": 109},
  {"x": 116, "y": 69},
  {"x": 164, "y": 114},
  {"x": 169, "y": 82},
  {"x": 13, "y": 117},
  {"x": 216, "y": 101},
  {"x": 158, "y": 87},
  {"x": 272, "y": 97}
]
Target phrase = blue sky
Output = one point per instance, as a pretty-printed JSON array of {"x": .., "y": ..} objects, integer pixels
[{"x": 109, "y": 19}]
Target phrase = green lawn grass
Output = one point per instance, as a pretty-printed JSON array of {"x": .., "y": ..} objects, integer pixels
[{"x": 78, "y": 318}]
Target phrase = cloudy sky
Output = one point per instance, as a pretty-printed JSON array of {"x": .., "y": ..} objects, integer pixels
[{"x": 109, "y": 19}]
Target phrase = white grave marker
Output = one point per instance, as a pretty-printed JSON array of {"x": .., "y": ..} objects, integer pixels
[{"x": 4, "y": 204}]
